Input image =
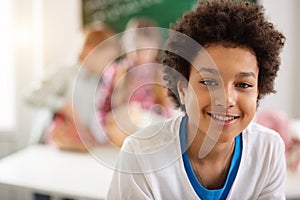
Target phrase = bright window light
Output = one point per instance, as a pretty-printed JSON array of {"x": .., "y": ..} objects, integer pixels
[{"x": 7, "y": 87}]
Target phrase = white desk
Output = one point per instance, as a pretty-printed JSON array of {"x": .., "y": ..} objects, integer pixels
[
  {"x": 48, "y": 170},
  {"x": 45, "y": 169}
]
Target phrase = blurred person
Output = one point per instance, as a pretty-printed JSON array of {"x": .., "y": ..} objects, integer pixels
[
  {"x": 132, "y": 90},
  {"x": 76, "y": 129}
]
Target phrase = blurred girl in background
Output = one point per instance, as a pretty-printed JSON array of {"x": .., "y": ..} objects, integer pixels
[
  {"x": 132, "y": 89},
  {"x": 56, "y": 92}
]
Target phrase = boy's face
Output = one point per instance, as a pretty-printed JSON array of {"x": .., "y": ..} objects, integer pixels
[{"x": 221, "y": 97}]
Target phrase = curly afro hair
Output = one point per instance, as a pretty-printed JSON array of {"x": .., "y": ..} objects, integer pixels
[{"x": 226, "y": 22}]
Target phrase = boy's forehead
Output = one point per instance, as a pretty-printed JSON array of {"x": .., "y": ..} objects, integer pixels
[{"x": 203, "y": 60}]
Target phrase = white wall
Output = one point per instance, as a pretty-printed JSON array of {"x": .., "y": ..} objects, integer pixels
[
  {"x": 284, "y": 15},
  {"x": 62, "y": 26},
  {"x": 296, "y": 44},
  {"x": 58, "y": 24}
]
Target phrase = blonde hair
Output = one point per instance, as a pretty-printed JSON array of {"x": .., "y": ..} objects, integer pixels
[
  {"x": 93, "y": 35},
  {"x": 139, "y": 27}
]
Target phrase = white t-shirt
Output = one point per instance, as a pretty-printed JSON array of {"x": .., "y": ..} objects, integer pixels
[{"x": 150, "y": 166}]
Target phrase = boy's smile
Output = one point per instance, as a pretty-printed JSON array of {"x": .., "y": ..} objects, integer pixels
[
  {"x": 223, "y": 119},
  {"x": 221, "y": 98}
]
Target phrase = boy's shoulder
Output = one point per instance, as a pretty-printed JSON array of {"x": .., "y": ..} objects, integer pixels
[
  {"x": 258, "y": 134},
  {"x": 152, "y": 148},
  {"x": 156, "y": 136}
]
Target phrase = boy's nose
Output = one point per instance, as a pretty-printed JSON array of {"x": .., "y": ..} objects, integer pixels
[{"x": 225, "y": 97}]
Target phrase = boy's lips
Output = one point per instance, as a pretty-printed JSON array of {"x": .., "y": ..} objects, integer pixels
[{"x": 224, "y": 119}]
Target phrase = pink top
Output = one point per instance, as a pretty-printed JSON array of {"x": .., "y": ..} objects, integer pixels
[{"x": 138, "y": 84}]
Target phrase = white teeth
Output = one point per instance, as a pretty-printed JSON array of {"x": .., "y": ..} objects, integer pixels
[{"x": 222, "y": 117}]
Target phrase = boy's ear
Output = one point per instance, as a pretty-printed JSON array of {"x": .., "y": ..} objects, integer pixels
[{"x": 181, "y": 88}]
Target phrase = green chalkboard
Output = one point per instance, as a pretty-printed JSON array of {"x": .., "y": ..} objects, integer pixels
[{"x": 116, "y": 13}]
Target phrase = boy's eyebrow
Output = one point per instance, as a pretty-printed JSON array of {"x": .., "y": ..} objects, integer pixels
[
  {"x": 216, "y": 72},
  {"x": 209, "y": 70},
  {"x": 245, "y": 74}
]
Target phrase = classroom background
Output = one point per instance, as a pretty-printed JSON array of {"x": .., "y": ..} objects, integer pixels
[{"x": 39, "y": 35}]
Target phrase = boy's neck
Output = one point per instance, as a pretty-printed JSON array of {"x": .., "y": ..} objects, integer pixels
[{"x": 205, "y": 148}]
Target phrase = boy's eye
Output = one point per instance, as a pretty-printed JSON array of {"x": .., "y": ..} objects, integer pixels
[
  {"x": 209, "y": 82},
  {"x": 244, "y": 85}
]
